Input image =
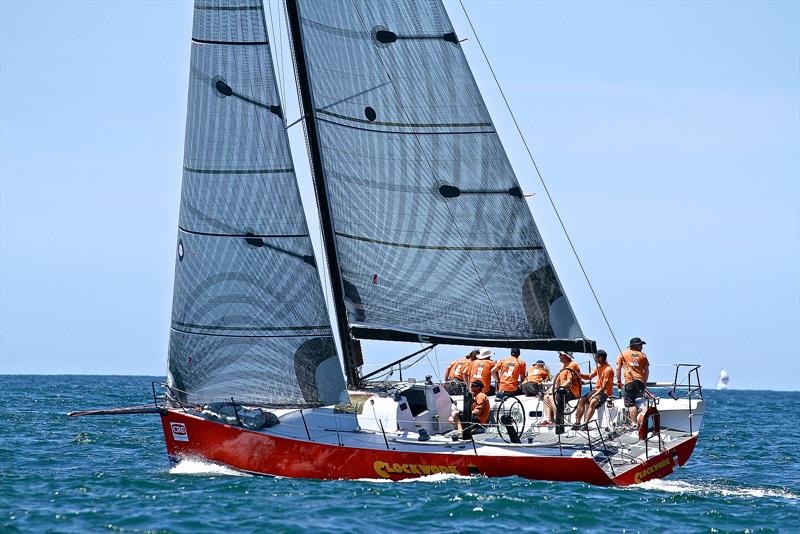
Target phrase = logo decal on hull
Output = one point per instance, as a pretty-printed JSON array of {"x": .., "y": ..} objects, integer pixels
[
  {"x": 666, "y": 462},
  {"x": 385, "y": 470},
  {"x": 179, "y": 432}
]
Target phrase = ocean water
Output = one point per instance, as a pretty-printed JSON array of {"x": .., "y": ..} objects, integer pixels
[{"x": 111, "y": 474}]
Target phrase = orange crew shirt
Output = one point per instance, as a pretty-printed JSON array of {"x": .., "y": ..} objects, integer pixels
[
  {"x": 480, "y": 408},
  {"x": 538, "y": 374},
  {"x": 511, "y": 371},
  {"x": 605, "y": 378},
  {"x": 634, "y": 365},
  {"x": 481, "y": 370},
  {"x": 567, "y": 379},
  {"x": 457, "y": 369}
]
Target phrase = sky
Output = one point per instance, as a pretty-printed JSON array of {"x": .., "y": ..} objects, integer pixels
[{"x": 668, "y": 134}]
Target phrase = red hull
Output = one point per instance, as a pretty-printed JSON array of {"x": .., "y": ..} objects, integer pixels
[{"x": 261, "y": 453}]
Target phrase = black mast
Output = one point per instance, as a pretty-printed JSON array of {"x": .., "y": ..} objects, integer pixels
[{"x": 320, "y": 190}]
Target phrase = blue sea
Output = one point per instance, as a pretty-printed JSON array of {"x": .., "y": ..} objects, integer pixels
[{"x": 95, "y": 474}]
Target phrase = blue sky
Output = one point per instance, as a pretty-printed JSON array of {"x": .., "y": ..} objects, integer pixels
[{"x": 667, "y": 132}]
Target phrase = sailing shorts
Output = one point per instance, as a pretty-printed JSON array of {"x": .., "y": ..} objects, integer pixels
[
  {"x": 531, "y": 389},
  {"x": 633, "y": 390},
  {"x": 600, "y": 397}
]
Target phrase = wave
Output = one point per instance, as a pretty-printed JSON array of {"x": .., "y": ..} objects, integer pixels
[
  {"x": 199, "y": 467},
  {"x": 679, "y": 486}
]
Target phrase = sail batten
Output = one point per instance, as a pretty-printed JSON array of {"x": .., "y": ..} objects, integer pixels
[
  {"x": 249, "y": 319},
  {"x": 433, "y": 236}
]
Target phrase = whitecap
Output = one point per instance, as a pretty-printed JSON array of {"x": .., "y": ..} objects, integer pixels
[
  {"x": 199, "y": 467},
  {"x": 679, "y": 486}
]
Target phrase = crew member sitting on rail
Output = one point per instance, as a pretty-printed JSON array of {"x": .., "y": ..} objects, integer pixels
[
  {"x": 603, "y": 390},
  {"x": 479, "y": 413},
  {"x": 637, "y": 369},
  {"x": 457, "y": 374},
  {"x": 567, "y": 378},
  {"x": 508, "y": 374},
  {"x": 481, "y": 369},
  {"x": 537, "y": 374}
]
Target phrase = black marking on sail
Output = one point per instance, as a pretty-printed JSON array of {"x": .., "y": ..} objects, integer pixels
[
  {"x": 181, "y": 251},
  {"x": 539, "y": 291},
  {"x": 307, "y": 358},
  {"x": 225, "y": 90},
  {"x": 258, "y": 242},
  {"x": 385, "y": 36},
  {"x": 439, "y": 247},
  {"x": 451, "y": 191},
  {"x": 254, "y": 241},
  {"x": 369, "y": 113},
  {"x": 407, "y": 124}
]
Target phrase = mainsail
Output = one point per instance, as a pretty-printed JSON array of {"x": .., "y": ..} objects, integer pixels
[
  {"x": 249, "y": 320},
  {"x": 433, "y": 237}
]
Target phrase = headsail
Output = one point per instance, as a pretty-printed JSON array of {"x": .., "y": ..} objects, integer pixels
[
  {"x": 433, "y": 236},
  {"x": 249, "y": 319}
]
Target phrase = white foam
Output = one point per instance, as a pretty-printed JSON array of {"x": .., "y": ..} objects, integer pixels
[
  {"x": 436, "y": 477},
  {"x": 199, "y": 467},
  {"x": 679, "y": 486}
]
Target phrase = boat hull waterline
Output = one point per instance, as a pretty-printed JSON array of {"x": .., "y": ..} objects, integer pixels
[{"x": 188, "y": 436}]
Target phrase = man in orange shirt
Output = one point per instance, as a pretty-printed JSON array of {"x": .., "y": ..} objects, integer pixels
[
  {"x": 457, "y": 373},
  {"x": 479, "y": 413},
  {"x": 481, "y": 369},
  {"x": 603, "y": 390},
  {"x": 508, "y": 374},
  {"x": 637, "y": 370},
  {"x": 568, "y": 378},
  {"x": 537, "y": 374}
]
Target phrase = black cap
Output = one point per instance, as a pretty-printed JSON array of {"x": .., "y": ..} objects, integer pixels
[
  {"x": 602, "y": 353},
  {"x": 515, "y": 352},
  {"x": 477, "y": 384},
  {"x": 636, "y": 341},
  {"x": 539, "y": 362}
]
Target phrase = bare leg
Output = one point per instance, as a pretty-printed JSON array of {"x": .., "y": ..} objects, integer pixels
[
  {"x": 581, "y": 408},
  {"x": 632, "y": 414},
  {"x": 456, "y": 420},
  {"x": 592, "y": 407},
  {"x": 549, "y": 408}
]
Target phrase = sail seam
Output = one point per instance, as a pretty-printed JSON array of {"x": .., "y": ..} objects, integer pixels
[
  {"x": 230, "y": 8},
  {"x": 401, "y": 132},
  {"x": 247, "y": 328},
  {"x": 409, "y": 125},
  {"x": 236, "y": 171},
  {"x": 437, "y": 247},
  {"x": 213, "y": 234},
  {"x": 209, "y": 42}
]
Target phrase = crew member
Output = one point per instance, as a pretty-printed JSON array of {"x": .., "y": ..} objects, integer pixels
[
  {"x": 508, "y": 374},
  {"x": 637, "y": 370},
  {"x": 481, "y": 369},
  {"x": 457, "y": 374},
  {"x": 601, "y": 392},
  {"x": 537, "y": 374},
  {"x": 479, "y": 413},
  {"x": 568, "y": 378}
]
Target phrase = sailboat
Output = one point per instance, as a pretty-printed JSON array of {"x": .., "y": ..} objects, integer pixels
[
  {"x": 724, "y": 378},
  {"x": 426, "y": 236}
]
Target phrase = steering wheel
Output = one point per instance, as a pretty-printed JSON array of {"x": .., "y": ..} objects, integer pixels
[
  {"x": 511, "y": 413},
  {"x": 553, "y": 388}
]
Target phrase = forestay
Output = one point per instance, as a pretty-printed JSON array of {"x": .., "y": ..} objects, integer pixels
[
  {"x": 249, "y": 320},
  {"x": 433, "y": 234}
]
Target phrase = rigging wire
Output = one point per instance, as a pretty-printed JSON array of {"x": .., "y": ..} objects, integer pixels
[{"x": 539, "y": 174}]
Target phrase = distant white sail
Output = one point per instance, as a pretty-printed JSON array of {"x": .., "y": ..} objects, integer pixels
[{"x": 724, "y": 377}]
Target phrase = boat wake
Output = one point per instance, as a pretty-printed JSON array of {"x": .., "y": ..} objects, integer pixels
[
  {"x": 679, "y": 486},
  {"x": 199, "y": 467}
]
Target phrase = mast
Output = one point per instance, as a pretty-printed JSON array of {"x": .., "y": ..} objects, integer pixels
[{"x": 320, "y": 191}]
